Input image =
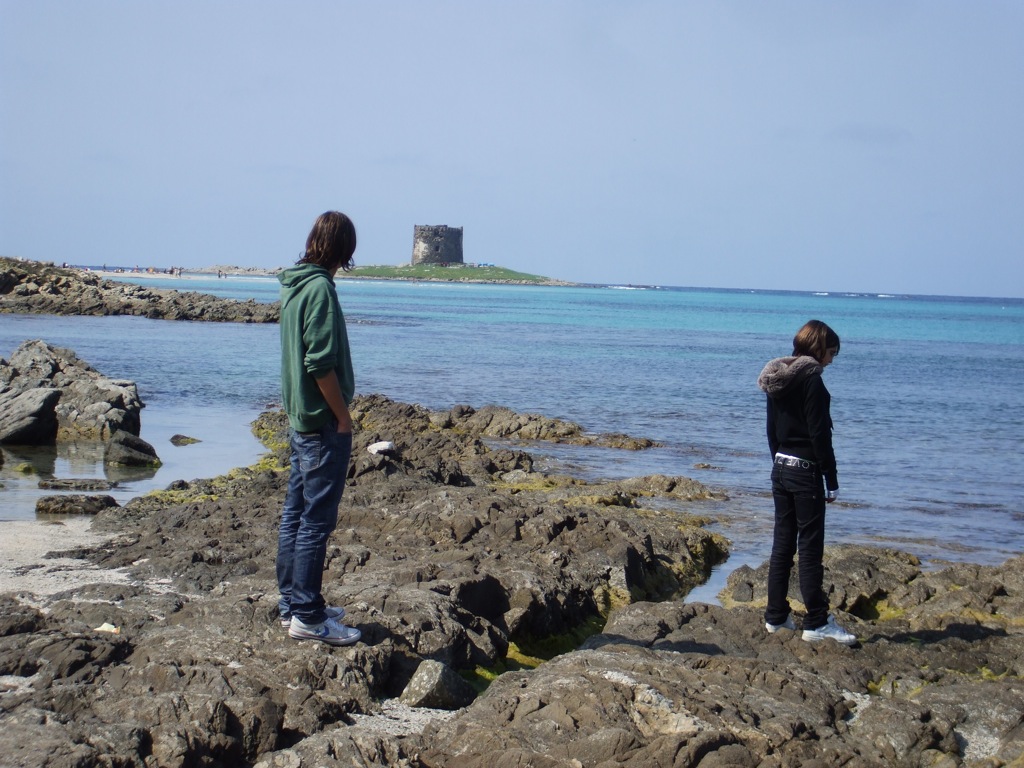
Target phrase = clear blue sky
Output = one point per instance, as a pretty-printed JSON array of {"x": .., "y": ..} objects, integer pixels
[{"x": 855, "y": 146}]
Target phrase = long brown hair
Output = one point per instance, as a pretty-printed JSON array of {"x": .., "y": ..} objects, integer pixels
[
  {"x": 814, "y": 339},
  {"x": 331, "y": 242}
]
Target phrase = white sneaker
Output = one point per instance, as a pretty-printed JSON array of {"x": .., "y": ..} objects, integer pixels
[
  {"x": 830, "y": 631},
  {"x": 787, "y": 624},
  {"x": 333, "y": 612},
  {"x": 329, "y": 631}
]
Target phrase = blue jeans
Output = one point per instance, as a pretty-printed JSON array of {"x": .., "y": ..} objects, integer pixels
[
  {"x": 799, "y": 529},
  {"x": 319, "y": 464}
]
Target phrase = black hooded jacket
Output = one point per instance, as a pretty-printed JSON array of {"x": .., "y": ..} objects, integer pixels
[{"x": 799, "y": 423}]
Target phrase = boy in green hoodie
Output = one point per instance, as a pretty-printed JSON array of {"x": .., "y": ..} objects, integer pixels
[{"x": 317, "y": 385}]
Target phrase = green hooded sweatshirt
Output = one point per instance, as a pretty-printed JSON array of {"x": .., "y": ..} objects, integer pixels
[{"x": 313, "y": 341}]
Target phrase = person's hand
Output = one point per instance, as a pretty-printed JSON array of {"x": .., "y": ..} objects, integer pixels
[
  {"x": 831, "y": 495},
  {"x": 345, "y": 425}
]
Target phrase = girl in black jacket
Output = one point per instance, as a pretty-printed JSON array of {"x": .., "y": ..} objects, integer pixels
[{"x": 804, "y": 479}]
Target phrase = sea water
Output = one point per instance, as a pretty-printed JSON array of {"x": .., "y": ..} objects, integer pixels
[{"x": 927, "y": 394}]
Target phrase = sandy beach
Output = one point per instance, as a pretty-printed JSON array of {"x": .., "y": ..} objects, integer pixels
[
  {"x": 206, "y": 273},
  {"x": 26, "y": 570}
]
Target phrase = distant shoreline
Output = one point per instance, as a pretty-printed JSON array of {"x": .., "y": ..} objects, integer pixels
[
  {"x": 259, "y": 273},
  {"x": 207, "y": 273},
  {"x": 182, "y": 274}
]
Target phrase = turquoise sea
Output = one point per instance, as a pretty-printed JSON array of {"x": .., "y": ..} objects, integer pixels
[{"x": 928, "y": 392}]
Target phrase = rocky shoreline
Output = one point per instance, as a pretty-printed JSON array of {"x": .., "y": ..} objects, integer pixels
[
  {"x": 453, "y": 555},
  {"x": 37, "y": 288},
  {"x": 510, "y": 617}
]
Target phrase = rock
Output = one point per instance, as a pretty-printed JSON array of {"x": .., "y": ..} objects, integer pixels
[
  {"x": 180, "y": 440},
  {"x": 675, "y": 684},
  {"x": 48, "y": 394},
  {"x": 28, "y": 418},
  {"x": 856, "y": 579},
  {"x": 73, "y": 484},
  {"x": 73, "y": 504},
  {"x": 496, "y": 421},
  {"x": 125, "y": 449},
  {"x": 94, "y": 407},
  {"x": 15, "y": 619},
  {"x": 437, "y": 686}
]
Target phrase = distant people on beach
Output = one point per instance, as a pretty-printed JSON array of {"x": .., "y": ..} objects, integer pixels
[
  {"x": 317, "y": 385},
  {"x": 804, "y": 480}
]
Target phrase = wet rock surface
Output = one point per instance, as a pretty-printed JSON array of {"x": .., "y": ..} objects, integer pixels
[
  {"x": 39, "y": 288},
  {"x": 77, "y": 484},
  {"x": 127, "y": 450},
  {"x": 451, "y": 550},
  {"x": 73, "y": 504}
]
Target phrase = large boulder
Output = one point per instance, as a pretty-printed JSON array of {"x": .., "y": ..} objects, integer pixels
[
  {"x": 48, "y": 394},
  {"x": 437, "y": 686}
]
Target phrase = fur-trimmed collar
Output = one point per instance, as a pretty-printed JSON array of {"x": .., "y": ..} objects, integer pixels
[{"x": 782, "y": 372}]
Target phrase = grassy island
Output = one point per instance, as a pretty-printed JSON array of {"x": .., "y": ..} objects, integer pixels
[{"x": 464, "y": 273}]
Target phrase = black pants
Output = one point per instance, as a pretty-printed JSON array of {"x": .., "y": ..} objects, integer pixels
[{"x": 799, "y": 529}]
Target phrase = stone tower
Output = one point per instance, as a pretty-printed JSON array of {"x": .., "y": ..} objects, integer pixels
[{"x": 436, "y": 245}]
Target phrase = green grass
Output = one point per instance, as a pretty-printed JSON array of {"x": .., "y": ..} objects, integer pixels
[{"x": 455, "y": 273}]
